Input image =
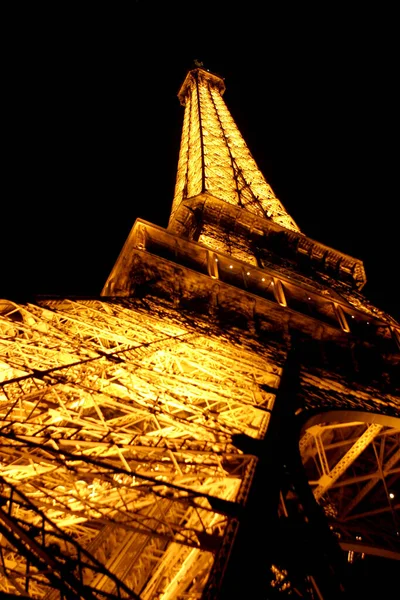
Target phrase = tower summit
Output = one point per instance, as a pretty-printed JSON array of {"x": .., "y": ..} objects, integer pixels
[
  {"x": 223, "y": 202},
  {"x": 222, "y": 422},
  {"x": 214, "y": 159}
]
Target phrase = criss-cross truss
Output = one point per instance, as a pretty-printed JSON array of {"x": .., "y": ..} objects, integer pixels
[
  {"x": 214, "y": 157},
  {"x": 354, "y": 469},
  {"x": 118, "y": 472}
]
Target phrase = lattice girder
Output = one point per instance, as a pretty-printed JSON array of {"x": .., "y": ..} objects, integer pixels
[
  {"x": 215, "y": 159},
  {"x": 120, "y": 429},
  {"x": 351, "y": 467}
]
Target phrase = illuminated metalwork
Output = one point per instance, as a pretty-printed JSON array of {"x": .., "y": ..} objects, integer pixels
[
  {"x": 360, "y": 492},
  {"x": 145, "y": 433},
  {"x": 215, "y": 159},
  {"x": 116, "y": 442}
]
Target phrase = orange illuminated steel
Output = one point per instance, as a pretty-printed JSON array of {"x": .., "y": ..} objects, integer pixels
[
  {"x": 214, "y": 158},
  {"x": 230, "y": 376}
]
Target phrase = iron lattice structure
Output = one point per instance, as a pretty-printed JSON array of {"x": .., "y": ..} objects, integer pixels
[{"x": 230, "y": 384}]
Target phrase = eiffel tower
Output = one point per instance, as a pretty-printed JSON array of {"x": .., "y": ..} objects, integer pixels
[{"x": 223, "y": 421}]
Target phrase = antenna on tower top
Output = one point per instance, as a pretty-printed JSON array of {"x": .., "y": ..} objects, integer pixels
[{"x": 198, "y": 63}]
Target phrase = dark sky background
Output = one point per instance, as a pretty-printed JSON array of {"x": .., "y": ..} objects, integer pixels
[{"x": 95, "y": 128}]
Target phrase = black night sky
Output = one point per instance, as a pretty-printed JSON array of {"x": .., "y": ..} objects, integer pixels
[{"x": 95, "y": 127}]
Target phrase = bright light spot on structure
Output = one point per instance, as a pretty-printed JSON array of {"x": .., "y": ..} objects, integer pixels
[
  {"x": 263, "y": 279},
  {"x": 280, "y": 581},
  {"x": 231, "y": 266},
  {"x": 248, "y": 272},
  {"x": 309, "y": 298},
  {"x": 352, "y": 316},
  {"x": 216, "y": 260},
  {"x": 391, "y": 495}
]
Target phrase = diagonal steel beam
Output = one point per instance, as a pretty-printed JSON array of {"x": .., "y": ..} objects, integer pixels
[
  {"x": 371, "y": 484},
  {"x": 327, "y": 479}
]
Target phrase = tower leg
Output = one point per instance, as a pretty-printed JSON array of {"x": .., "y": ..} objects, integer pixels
[{"x": 268, "y": 547}]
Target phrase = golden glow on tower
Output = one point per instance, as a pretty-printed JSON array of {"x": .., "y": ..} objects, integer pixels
[
  {"x": 214, "y": 157},
  {"x": 135, "y": 428},
  {"x": 116, "y": 443}
]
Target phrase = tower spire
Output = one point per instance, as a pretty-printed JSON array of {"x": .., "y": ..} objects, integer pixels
[
  {"x": 223, "y": 204},
  {"x": 214, "y": 158}
]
